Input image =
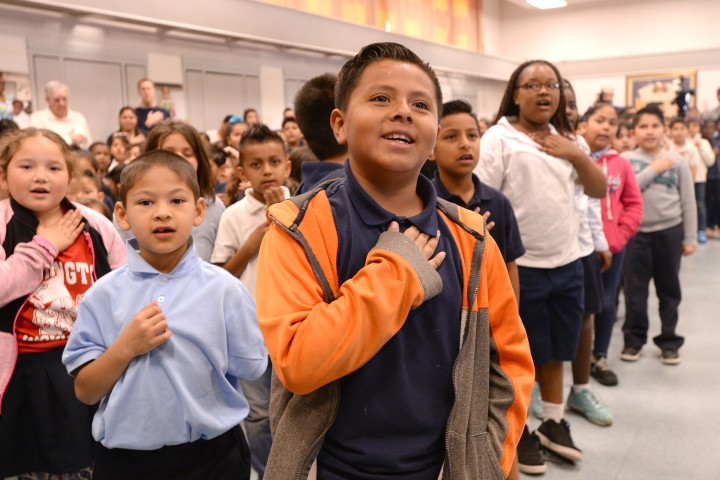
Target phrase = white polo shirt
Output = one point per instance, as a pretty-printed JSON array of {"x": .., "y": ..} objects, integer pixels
[
  {"x": 74, "y": 123},
  {"x": 238, "y": 221},
  {"x": 541, "y": 189}
]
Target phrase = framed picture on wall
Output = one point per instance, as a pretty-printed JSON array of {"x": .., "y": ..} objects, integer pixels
[{"x": 674, "y": 92}]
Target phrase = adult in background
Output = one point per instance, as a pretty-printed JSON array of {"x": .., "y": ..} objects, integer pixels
[
  {"x": 69, "y": 124},
  {"x": 6, "y": 111},
  {"x": 20, "y": 116},
  {"x": 148, "y": 113}
]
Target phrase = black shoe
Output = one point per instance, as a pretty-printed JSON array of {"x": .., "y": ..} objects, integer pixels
[
  {"x": 556, "y": 437},
  {"x": 670, "y": 356},
  {"x": 530, "y": 459},
  {"x": 630, "y": 354},
  {"x": 600, "y": 371}
]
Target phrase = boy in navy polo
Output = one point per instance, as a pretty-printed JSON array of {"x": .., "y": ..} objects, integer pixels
[
  {"x": 397, "y": 345},
  {"x": 456, "y": 154}
]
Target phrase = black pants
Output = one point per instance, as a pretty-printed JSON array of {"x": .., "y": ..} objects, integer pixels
[
  {"x": 225, "y": 457},
  {"x": 653, "y": 256}
]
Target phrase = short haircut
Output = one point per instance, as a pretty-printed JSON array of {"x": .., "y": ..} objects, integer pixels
[
  {"x": 11, "y": 141},
  {"x": 459, "y": 106},
  {"x": 164, "y": 129},
  {"x": 693, "y": 121},
  {"x": 287, "y": 120},
  {"x": 676, "y": 120},
  {"x": 133, "y": 172},
  {"x": 248, "y": 110},
  {"x": 53, "y": 86},
  {"x": 258, "y": 133},
  {"x": 353, "y": 69},
  {"x": 508, "y": 107},
  {"x": 143, "y": 80},
  {"x": 649, "y": 110},
  {"x": 314, "y": 104}
]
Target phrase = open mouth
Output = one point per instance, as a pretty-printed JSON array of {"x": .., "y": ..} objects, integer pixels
[
  {"x": 466, "y": 158},
  {"x": 399, "y": 137},
  {"x": 544, "y": 103},
  {"x": 39, "y": 190},
  {"x": 163, "y": 230}
]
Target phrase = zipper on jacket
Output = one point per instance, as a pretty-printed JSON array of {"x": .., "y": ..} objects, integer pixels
[{"x": 329, "y": 297}]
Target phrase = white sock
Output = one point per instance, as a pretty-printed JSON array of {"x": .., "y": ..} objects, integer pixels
[
  {"x": 553, "y": 411},
  {"x": 578, "y": 388}
]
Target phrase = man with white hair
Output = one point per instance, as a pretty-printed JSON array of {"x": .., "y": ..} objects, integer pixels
[{"x": 58, "y": 117}]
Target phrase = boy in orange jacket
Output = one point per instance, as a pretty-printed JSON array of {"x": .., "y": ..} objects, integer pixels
[{"x": 387, "y": 312}]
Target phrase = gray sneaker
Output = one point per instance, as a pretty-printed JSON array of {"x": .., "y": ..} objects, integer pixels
[{"x": 588, "y": 404}]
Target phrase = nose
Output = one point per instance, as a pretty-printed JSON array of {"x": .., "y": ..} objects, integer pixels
[
  {"x": 162, "y": 210},
  {"x": 402, "y": 111}
]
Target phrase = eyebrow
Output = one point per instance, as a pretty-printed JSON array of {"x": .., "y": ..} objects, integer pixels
[
  {"x": 153, "y": 193},
  {"x": 386, "y": 86}
]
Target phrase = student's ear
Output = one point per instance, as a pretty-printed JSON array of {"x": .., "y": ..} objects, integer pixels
[
  {"x": 337, "y": 122},
  {"x": 200, "y": 207},
  {"x": 120, "y": 215},
  {"x": 101, "y": 196},
  {"x": 240, "y": 172},
  {"x": 288, "y": 167}
]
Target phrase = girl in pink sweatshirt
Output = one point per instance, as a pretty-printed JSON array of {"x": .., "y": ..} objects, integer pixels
[
  {"x": 621, "y": 215},
  {"x": 51, "y": 252}
]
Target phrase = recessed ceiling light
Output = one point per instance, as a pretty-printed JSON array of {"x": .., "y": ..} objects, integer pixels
[{"x": 547, "y": 4}]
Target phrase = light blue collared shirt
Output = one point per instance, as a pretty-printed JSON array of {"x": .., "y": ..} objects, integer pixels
[{"x": 185, "y": 389}]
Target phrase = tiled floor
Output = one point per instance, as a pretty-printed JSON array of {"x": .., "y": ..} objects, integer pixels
[{"x": 666, "y": 417}]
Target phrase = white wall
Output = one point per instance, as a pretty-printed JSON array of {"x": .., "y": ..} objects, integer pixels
[{"x": 599, "y": 43}]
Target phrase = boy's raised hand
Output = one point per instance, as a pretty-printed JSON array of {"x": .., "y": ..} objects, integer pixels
[
  {"x": 64, "y": 231},
  {"x": 424, "y": 242},
  {"x": 273, "y": 195},
  {"x": 147, "y": 329}
]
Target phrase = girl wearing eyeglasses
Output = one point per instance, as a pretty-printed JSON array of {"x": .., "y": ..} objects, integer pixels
[{"x": 528, "y": 154}]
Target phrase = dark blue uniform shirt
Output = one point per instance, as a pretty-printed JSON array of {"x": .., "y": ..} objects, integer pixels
[
  {"x": 393, "y": 411},
  {"x": 505, "y": 232}
]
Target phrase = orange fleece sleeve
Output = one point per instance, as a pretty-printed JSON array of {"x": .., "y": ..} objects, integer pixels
[{"x": 312, "y": 343}]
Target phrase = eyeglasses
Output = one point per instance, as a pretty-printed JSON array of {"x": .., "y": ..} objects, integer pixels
[{"x": 535, "y": 87}]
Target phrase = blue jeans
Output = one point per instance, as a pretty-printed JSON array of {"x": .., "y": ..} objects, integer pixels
[{"x": 605, "y": 320}]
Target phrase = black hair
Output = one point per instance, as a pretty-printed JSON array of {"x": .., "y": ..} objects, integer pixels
[
  {"x": 157, "y": 158},
  {"x": 7, "y": 125},
  {"x": 217, "y": 155},
  {"x": 259, "y": 133},
  {"x": 314, "y": 103},
  {"x": 508, "y": 107},
  {"x": 352, "y": 70},
  {"x": 651, "y": 109},
  {"x": 88, "y": 155},
  {"x": 594, "y": 108},
  {"x": 459, "y": 106},
  {"x": 291, "y": 120},
  {"x": 675, "y": 120}
]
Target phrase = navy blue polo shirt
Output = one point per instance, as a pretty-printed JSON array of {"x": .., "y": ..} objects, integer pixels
[
  {"x": 505, "y": 232},
  {"x": 314, "y": 173},
  {"x": 393, "y": 410}
]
